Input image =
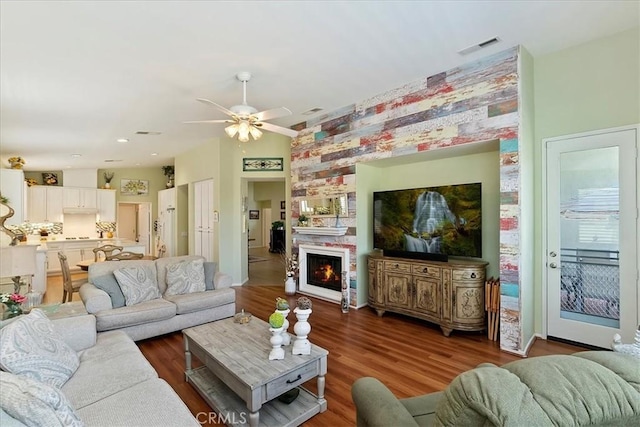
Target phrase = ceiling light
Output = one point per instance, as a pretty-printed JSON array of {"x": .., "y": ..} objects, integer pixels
[
  {"x": 243, "y": 129},
  {"x": 231, "y": 130},
  {"x": 122, "y": 140},
  {"x": 154, "y": 154},
  {"x": 75, "y": 156}
]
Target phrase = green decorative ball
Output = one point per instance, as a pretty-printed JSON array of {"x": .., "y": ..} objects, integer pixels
[
  {"x": 281, "y": 304},
  {"x": 276, "y": 320}
]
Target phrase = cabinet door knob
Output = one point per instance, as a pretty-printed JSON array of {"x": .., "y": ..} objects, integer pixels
[
  {"x": 473, "y": 275},
  {"x": 425, "y": 270},
  {"x": 397, "y": 265}
]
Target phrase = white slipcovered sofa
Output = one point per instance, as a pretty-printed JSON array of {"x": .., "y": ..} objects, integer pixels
[
  {"x": 62, "y": 373},
  {"x": 175, "y": 303}
]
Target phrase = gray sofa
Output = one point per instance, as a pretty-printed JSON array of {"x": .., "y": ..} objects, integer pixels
[
  {"x": 160, "y": 315},
  {"x": 596, "y": 388},
  {"x": 114, "y": 385}
]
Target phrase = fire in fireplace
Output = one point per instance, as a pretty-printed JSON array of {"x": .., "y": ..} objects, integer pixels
[{"x": 324, "y": 271}]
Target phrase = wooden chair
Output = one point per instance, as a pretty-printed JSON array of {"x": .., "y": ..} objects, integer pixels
[
  {"x": 69, "y": 286},
  {"x": 125, "y": 256},
  {"x": 107, "y": 250}
]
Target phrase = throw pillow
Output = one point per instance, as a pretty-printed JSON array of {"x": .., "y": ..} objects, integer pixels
[
  {"x": 185, "y": 277},
  {"x": 30, "y": 346},
  {"x": 34, "y": 403},
  {"x": 138, "y": 284},
  {"x": 209, "y": 275},
  {"x": 109, "y": 284}
]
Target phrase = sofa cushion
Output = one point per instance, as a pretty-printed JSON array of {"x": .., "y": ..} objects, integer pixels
[
  {"x": 185, "y": 277},
  {"x": 161, "y": 268},
  {"x": 30, "y": 346},
  {"x": 145, "y": 312},
  {"x": 196, "y": 301},
  {"x": 114, "y": 364},
  {"x": 138, "y": 284},
  {"x": 108, "y": 283},
  {"x": 209, "y": 273},
  {"x": 149, "y": 403},
  {"x": 35, "y": 403}
]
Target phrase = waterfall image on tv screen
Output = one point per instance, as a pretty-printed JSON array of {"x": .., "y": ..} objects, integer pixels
[{"x": 443, "y": 220}]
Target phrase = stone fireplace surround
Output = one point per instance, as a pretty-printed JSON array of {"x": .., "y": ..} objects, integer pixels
[{"x": 318, "y": 291}]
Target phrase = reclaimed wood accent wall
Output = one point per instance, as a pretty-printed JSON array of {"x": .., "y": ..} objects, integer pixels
[{"x": 473, "y": 103}]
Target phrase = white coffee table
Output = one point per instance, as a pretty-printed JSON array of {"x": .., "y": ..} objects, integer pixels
[{"x": 242, "y": 384}]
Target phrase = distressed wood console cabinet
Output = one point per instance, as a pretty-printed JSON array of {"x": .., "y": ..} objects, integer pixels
[{"x": 450, "y": 294}]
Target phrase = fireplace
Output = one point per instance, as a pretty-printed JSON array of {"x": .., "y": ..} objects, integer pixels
[{"x": 321, "y": 270}]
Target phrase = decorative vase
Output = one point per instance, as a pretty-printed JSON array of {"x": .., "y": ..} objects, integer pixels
[
  {"x": 277, "y": 352},
  {"x": 344, "y": 301},
  {"x": 16, "y": 165},
  {"x": 286, "y": 338},
  {"x": 290, "y": 286},
  {"x": 170, "y": 183},
  {"x": 109, "y": 235},
  {"x": 107, "y": 185},
  {"x": 302, "y": 328}
]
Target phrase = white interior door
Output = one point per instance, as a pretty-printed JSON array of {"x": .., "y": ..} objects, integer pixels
[
  {"x": 592, "y": 237},
  {"x": 266, "y": 226},
  {"x": 144, "y": 226},
  {"x": 203, "y": 207}
]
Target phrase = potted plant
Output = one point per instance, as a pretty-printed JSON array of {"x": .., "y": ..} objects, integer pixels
[
  {"x": 108, "y": 176},
  {"x": 169, "y": 171},
  {"x": 277, "y": 225},
  {"x": 303, "y": 220}
]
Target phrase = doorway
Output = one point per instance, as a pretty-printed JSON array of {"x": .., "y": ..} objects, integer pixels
[
  {"x": 134, "y": 223},
  {"x": 591, "y": 268}
]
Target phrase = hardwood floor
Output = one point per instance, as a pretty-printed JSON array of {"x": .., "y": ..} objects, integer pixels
[{"x": 410, "y": 356}]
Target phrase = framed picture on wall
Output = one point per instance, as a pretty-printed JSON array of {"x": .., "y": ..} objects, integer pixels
[
  {"x": 134, "y": 187},
  {"x": 283, "y": 205},
  {"x": 283, "y": 215},
  {"x": 254, "y": 214}
]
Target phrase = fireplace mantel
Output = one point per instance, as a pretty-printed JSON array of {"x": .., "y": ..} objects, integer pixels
[{"x": 322, "y": 231}]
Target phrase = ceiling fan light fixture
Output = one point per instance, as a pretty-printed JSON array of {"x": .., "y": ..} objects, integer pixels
[
  {"x": 255, "y": 132},
  {"x": 231, "y": 130},
  {"x": 243, "y": 131}
]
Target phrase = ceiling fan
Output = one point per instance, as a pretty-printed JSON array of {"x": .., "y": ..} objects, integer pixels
[{"x": 246, "y": 120}]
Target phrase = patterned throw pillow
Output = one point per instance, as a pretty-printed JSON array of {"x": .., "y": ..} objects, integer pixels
[
  {"x": 34, "y": 403},
  {"x": 185, "y": 277},
  {"x": 138, "y": 284},
  {"x": 29, "y": 346}
]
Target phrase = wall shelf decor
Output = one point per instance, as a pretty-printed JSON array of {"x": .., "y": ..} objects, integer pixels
[
  {"x": 255, "y": 164},
  {"x": 322, "y": 231}
]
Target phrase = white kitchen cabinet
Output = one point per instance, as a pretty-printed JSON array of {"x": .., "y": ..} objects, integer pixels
[
  {"x": 106, "y": 205},
  {"x": 44, "y": 204},
  {"x": 54, "y": 204},
  {"x": 79, "y": 197},
  {"x": 12, "y": 186},
  {"x": 74, "y": 250}
]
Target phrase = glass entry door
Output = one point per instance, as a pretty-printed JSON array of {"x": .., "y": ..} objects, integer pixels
[{"x": 592, "y": 258}]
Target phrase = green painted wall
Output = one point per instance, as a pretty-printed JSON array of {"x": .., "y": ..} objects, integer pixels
[{"x": 592, "y": 86}]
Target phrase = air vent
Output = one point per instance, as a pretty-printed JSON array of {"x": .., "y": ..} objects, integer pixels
[
  {"x": 312, "y": 111},
  {"x": 111, "y": 161},
  {"x": 478, "y": 46},
  {"x": 147, "y": 132}
]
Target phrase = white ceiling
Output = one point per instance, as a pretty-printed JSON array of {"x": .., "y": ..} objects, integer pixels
[{"x": 77, "y": 75}]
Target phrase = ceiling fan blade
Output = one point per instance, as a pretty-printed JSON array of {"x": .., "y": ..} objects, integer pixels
[
  {"x": 273, "y": 113},
  {"x": 210, "y": 121},
  {"x": 218, "y": 106},
  {"x": 278, "y": 129}
]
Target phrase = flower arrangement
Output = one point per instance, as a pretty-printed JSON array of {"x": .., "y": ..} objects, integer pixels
[
  {"x": 108, "y": 176},
  {"x": 13, "y": 302},
  {"x": 16, "y": 162},
  {"x": 290, "y": 264}
]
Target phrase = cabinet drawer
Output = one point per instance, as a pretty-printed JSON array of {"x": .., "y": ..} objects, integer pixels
[
  {"x": 426, "y": 271},
  {"x": 397, "y": 266},
  {"x": 467, "y": 274},
  {"x": 304, "y": 373}
]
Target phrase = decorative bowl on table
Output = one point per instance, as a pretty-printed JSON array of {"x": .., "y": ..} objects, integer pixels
[{"x": 242, "y": 317}]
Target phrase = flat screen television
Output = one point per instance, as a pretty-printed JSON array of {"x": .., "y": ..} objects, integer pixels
[{"x": 430, "y": 223}]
